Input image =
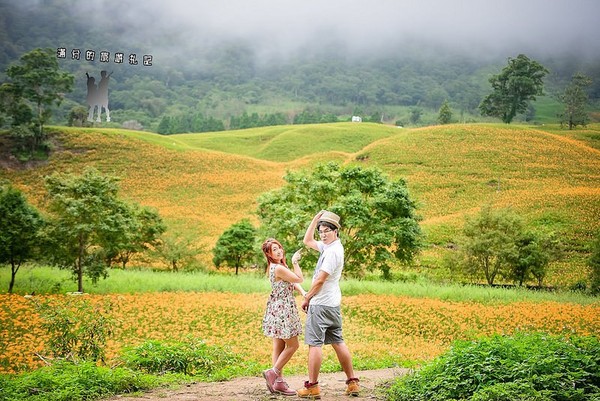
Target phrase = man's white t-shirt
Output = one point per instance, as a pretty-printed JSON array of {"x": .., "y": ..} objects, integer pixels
[{"x": 330, "y": 261}]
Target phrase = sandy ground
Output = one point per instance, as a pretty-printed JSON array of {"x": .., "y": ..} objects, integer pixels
[{"x": 332, "y": 385}]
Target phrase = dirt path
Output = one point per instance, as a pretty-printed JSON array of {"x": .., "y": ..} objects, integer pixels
[{"x": 254, "y": 388}]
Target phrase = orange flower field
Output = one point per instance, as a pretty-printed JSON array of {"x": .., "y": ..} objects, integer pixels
[{"x": 379, "y": 329}]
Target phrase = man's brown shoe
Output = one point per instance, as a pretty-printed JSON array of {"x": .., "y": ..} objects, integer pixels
[
  {"x": 310, "y": 390},
  {"x": 353, "y": 387}
]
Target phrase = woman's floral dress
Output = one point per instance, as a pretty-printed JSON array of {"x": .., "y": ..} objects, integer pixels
[{"x": 281, "y": 318}]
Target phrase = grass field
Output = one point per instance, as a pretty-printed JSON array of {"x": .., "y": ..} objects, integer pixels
[
  {"x": 385, "y": 324},
  {"x": 202, "y": 183}
]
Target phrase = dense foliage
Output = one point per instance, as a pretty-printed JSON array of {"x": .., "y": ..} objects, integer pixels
[
  {"x": 190, "y": 357},
  {"x": 496, "y": 244},
  {"x": 90, "y": 227},
  {"x": 235, "y": 247},
  {"x": 517, "y": 84},
  {"x": 36, "y": 86},
  {"x": 65, "y": 381},
  {"x": 521, "y": 367},
  {"x": 20, "y": 224},
  {"x": 72, "y": 335},
  {"x": 378, "y": 216},
  {"x": 575, "y": 99}
]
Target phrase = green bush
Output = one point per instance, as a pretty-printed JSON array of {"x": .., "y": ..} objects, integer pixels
[
  {"x": 520, "y": 367},
  {"x": 72, "y": 333},
  {"x": 65, "y": 381},
  {"x": 192, "y": 357}
]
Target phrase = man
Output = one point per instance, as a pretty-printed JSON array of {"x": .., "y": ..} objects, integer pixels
[{"x": 322, "y": 304}]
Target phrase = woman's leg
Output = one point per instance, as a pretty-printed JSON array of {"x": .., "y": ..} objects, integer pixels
[
  {"x": 278, "y": 347},
  {"x": 291, "y": 346}
]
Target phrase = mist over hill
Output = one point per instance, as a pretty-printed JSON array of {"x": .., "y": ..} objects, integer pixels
[{"x": 221, "y": 59}]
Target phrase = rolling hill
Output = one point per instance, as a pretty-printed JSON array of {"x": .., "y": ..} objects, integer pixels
[{"x": 203, "y": 183}]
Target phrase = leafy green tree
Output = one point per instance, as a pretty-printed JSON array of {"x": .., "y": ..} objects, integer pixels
[
  {"x": 87, "y": 217},
  {"x": 445, "y": 113},
  {"x": 177, "y": 251},
  {"x": 415, "y": 115},
  {"x": 36, "y": 85},
  {"x": 379, "y": 224},
  {"x": 491, "y": 242},
  {"x": 140, "y": 232},
  {"x": 533, "y": 254},
  {"x": 164, "y": 127},
  {"x": 594, "y": 263},
  {"x": 518, "y": 83},
  {"x": 235, "y": 246},
  {"x": 78, "y": 117},
  {"x": 20, "y": 224},
  {"x": 576, "y": 99}
]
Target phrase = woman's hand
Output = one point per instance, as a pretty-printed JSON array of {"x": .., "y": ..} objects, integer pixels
[{"x": 297, "y": 256}]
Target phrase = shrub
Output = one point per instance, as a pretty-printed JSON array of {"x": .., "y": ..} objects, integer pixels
[
  {"x": 66, "y": 381},
  {"x": 192, "y": 357},
  {"x": 72, "y": 333},
  {"x": 521, "y": 367}
]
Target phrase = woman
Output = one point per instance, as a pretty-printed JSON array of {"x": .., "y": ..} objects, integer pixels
[{"x": 281, "y": 320}]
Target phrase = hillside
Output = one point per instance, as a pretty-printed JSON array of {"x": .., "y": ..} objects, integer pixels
[{"x": 203, "y": 183}]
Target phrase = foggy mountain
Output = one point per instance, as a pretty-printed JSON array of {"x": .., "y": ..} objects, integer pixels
[{"x": 335, "y": 52}]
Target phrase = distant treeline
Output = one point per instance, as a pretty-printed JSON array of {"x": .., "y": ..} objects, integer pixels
[
  {"x": 199, "y": 91},
  {"x": 202, "y": 123}
]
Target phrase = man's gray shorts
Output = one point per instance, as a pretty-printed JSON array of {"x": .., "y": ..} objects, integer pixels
[{"x": 323, "y": 325}]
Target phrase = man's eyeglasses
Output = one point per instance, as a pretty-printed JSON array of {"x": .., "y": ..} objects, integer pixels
[{"x": 324, "y": 232}]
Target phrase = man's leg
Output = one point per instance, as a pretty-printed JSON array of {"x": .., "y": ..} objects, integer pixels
[
  {"x": 315, "y": 358},
  {"x": 345, "y": 358}
]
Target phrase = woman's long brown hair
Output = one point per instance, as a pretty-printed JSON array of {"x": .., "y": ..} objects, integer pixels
[{"x": 266, "y": 248}]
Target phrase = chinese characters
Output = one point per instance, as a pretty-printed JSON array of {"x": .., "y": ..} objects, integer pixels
[{"x": 104, "y": 56}]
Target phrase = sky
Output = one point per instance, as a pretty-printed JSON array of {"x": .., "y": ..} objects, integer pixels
[
  {"x": 285, "y": 27},
  {"x": 282, "y": 26}
]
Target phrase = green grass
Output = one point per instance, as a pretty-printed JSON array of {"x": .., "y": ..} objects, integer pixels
[
  {"x": 203, "y": 183},
  {"x": 546, "y": 109},
  {"x": 291, "y": 142},
  {"x": 281, "y": 143},
  {"x": 45, "y": 280}
]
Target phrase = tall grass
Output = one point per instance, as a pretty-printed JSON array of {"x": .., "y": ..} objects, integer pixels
[{"x": 46, "y": 280}]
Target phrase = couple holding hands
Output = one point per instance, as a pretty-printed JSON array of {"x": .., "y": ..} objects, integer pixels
[{"x": 321, "y": 304}]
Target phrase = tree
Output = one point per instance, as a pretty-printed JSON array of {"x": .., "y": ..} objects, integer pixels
[
  {"x": 177, "y": 251},
  {"x": 415, "y": 115},
  {"x": 576, "y": 99},
  {"x": 379, "y": 223},
  {"x": 20, "y": 224},
  {"x": 518, "y": 83},
  {"x": 36, "y": 86},
  {"x": 491, "y": 242},
  {"x": 445, "y": 113},
  {"x": 236, "y": 245},
  {"x": 533, "y": 254},
  {"x": 140, "y": 232},
  {"x": 87, "y": 217},
  {"x": 78, "y": 117}
]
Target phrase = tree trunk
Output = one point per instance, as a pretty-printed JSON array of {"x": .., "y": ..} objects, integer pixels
[
  {"x": 78, "y": 265},
  {"x": 14, "y": 268}
]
